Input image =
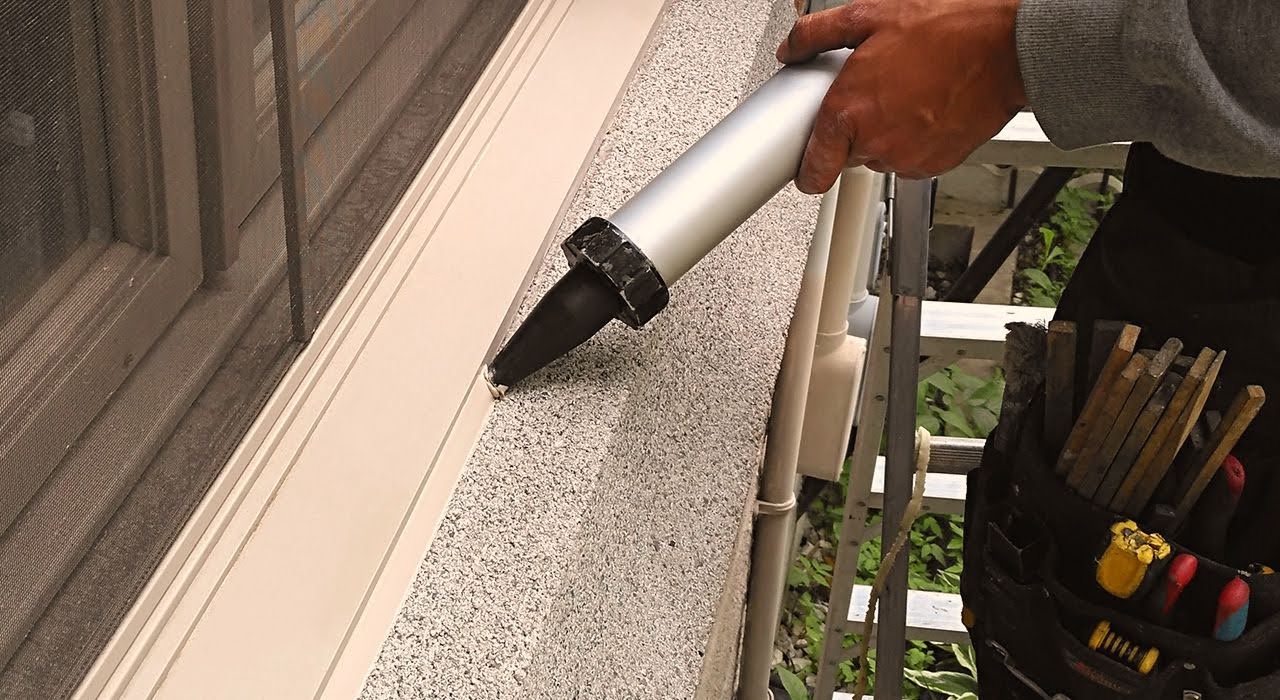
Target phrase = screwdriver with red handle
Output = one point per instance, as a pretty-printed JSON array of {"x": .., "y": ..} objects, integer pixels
[
  {"x": 1233, "y": 611},
  {"x": 1177, "y": 576},
  {"x": 1207, "y": 533}
]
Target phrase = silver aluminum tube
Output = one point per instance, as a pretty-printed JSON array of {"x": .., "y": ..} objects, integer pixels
[{"x": 730, "y": 172}]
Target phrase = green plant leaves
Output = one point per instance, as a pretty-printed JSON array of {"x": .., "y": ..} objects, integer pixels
[
  {"x": 955, "y": 403},
  {"x": 950, "y": 402},
  {"x": 966, "y": 657},
  {"x": 952, "y": 684},
  {"x": 791, "y": 682},
  {"x": 1063, "y": 238},
  {"x": 933, "y": 552},
  {"x": 943, "y": 382},
  {"x": 984, "y": 420},
  {"x": 958, "y": 422},
  {"x": 1038, "y": 277}
]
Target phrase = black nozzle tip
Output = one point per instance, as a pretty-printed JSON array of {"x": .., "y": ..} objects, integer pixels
[
  {"x": 609, "y": 277},
  {"x": 576, "y": 308}
]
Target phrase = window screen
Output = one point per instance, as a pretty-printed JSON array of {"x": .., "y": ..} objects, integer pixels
[
  {"x": 51, "y": 168},
  {"x": 92, "y": 265},
  {"x": 144, "y": 312}
]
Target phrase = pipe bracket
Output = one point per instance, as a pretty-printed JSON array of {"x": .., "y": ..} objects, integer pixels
[{"x": 771, "y": 508}]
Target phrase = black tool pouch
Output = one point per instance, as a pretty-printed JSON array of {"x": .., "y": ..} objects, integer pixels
[
  {"x": 1196, "y": 255},
  {"x": 1031, "y": 601},
  {"x": 1188, "y": 254}
]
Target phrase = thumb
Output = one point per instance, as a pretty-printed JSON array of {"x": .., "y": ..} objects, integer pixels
[{"x": 840, "y": 27}]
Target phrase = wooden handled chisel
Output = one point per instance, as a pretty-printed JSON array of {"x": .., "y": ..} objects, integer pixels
[
  {"x": 1234, "y": 422},
  {"x": 1169, "y": 434},
  {"x": 1119, "y": 430},
  {"x": 1059, "y": 383},
  {"x": 1119, "y": 356},
  {"x": 1081, "y": 477}
]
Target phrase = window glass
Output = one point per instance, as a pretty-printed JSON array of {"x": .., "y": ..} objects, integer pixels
[
  {"x": 46, "y": 182},
  {"x": 335, "y": 41},
  {"x": 138, "y": 158}
]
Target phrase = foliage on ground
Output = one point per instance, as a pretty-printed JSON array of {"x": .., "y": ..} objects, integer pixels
[
  {"x": 952, "y": 403},
  {"x": 952, "y": 685},
  {"x": 935, "y": 554},
  {"x": 958, "y": 404},
  {"x": 1058, "y": 243}
]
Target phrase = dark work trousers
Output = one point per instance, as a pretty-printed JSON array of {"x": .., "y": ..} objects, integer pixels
[{"x": 1196, "y": 255}]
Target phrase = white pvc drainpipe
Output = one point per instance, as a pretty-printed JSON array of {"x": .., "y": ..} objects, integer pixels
[
  {"x": 838, "y": 357},
  {"x": 776, "y": 501}
]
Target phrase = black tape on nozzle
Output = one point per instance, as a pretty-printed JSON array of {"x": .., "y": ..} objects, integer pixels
[{"x": 608, "y": 251}]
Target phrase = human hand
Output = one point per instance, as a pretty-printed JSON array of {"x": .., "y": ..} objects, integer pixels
[{"x": 929, "y": 82}]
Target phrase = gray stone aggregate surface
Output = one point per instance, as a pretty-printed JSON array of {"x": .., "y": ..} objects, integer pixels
[{"x": 591, "y": 535}]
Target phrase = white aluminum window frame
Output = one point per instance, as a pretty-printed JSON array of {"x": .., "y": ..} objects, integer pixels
[{"x": 290, "y": 573}]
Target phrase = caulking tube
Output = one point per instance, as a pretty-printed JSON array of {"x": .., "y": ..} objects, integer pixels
[
  {"x": 731, "y": 172},
  {"x": 623, "y": 265}
]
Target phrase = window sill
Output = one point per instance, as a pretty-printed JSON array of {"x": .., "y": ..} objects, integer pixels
[{"x": 292, "y": 569}]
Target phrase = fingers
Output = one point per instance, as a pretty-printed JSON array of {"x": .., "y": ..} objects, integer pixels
[
  {"x": 840, "y": 27},
  {"x": 827, "y": 153}
]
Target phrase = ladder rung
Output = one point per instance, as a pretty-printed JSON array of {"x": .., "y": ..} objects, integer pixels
[
  {"x": 954, "y": 455},
  {"x": 933, "y": 617},
  {"x": 949, "y": 328},
  {"x": 943, "y": 493}
]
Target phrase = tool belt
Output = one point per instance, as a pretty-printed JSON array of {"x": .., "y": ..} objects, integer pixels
[
  {"x": 1183, "y": 253},
  {"x": 1032, "y": 603}
]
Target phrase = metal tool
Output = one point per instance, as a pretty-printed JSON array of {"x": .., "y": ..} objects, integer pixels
[
  {"x": 1107, "y": 641},
  {"x": 1213, "y": 513},
  {"x": 1119, "y": 355},
  {"x": 1258, "y": 569},
  {"x": 1151, "y": 464},
  {"x": 1232, "y": 614},
  {"x": 1177, "y": 576},
  {"x": 1131, "y": 560},
  {"x": 1007, "y": 661},
  {"x": 1243, "y": 409},
  {"x": 623, "y": 265},
  {"x": 908, "y": 266}
]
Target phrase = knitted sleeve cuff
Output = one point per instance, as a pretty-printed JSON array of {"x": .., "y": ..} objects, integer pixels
[{"x": 1082, "y": 90}]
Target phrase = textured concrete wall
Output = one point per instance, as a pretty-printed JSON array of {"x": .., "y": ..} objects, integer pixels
[{"x": 595, "y": 547}]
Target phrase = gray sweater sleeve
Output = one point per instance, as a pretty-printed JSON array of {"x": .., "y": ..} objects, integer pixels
[{"x": 1200, "y": 79}]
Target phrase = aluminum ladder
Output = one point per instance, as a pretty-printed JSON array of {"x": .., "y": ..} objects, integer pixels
[{"x": 947, "y": 331}]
